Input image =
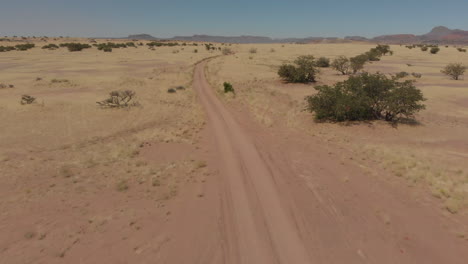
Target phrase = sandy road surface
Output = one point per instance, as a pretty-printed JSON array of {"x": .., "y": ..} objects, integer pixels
[{"x": 274, "y": 212}]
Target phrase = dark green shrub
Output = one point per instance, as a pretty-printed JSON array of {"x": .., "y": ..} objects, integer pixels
[
  {"x": 461, "y": 50},
  {"x": 366, "y": 97},
  {"x": 383, "y": 49},
  {"x": 323, "y": 62},
  {"x": 6, "y": 48},
  {"x": 303, "y": 71},
  {"x": 373, "y": 55},
  {"x": 50, "y": 46},
  {"x": 357, "y": 63},
  {"x": 171, "y": 90},
  {"x": 401, "y": 75},
  {"x": 228, "y": 88},
  {"x": 107, "y": 49},
  {"x": 424, "y": 48},
  {"x": 24, "y": 47},
  {"x": 72, "y": 47},
  {"x": 341, "y": 64},
  {"x": 454, "y": 70},
  {"x": 434, "y": 50}
]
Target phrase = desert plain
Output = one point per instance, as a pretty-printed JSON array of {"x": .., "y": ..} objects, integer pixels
[{"x": 199, "y": 176}]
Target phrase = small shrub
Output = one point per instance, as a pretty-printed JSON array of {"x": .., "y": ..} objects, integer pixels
[
  {"x": 3, "y": 86},
  {"x": 454, "y": 70},
  {"x": 341, "y": 64},
  {"x": 227, "y": 51},
  {"x": 119, "y": 99},
  {"x": 461, "y": 50},
  {"x": 416, "y": 75},
  {"x": 434, "y": 50},
  {"x": 323, "y": 62},
  {"x": 107, "y": 49},
  {"x": 366, "y": 97},
  {"x": 401, "y": 75},
  {"x": 27, "y": 99},
  {"x": 171, "y": 90},
  {"x": 180, "y": 88},
  {"x": 24, "y": 47},
  {"x": 73, "y": 47},
  {"x": 253, "y": 50},
  {"x": 59, "y": 81},
  {"x": 228, "y": 88},
  {"x": 195, "y": 51},
  {"x": 50, "y": 47},
  {"x": 424, "y": 48},
  {"x": 122, "y": 186},
  {"x": 272, "y": 50}
]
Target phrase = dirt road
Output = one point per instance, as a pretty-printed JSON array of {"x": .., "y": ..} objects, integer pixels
[{"x": 285, "y": 201}]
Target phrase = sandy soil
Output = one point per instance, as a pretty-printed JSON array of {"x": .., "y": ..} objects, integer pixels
[{"x": 201, "y": 177}]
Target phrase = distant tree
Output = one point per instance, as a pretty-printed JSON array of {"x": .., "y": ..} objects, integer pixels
[
  {"x": 323, "y": 62},
  {"x": 341, "y": 64},
  {"x": 357, "y": 63},
  {"x": 434, "y": 50},
  {"x": 303, "y": 71},
  {"x": 454, "y": 70}
]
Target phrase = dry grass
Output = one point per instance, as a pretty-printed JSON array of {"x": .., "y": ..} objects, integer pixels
[{"x": 431, "y": 154}]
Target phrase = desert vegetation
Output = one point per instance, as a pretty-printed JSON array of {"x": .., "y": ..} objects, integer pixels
[
  {"x": 119, "y": 99},
  {"x": 366, "y": 97},
  {"x": 303, "y": 70},
  {"x": 454, "y": 70}
]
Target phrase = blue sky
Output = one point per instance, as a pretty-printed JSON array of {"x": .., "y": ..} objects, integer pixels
[{"x": 273, "y": 18}]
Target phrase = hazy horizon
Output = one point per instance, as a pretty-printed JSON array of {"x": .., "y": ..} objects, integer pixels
[{"x": 275, "y": 19}]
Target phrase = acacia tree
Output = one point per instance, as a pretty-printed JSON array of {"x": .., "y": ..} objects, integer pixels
[
  {"x": 454, "y": 70},
  {"x": 341, "y": 64},
  {"x": 303, "y": 71}
]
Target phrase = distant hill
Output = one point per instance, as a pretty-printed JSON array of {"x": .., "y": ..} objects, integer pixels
[
  {"x": 142, "y": 37},
  {"x": 438, "y": 35}
]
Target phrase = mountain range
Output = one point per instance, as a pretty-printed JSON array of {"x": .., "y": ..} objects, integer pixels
[{"x": 438, "y": 35}]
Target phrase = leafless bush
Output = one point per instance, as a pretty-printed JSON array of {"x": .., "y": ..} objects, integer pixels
[
  {"x": 119, "y": 99},
  {"x": 27, "y": 99}
]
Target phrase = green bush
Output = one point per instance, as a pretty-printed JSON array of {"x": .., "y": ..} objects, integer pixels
[
  {"x": 373, "y": 55},
  {"x": 357, "y": 63},
  {"x": 228, "y": 88},
  {"x": 75, "y": 46},
  {"x": 402, "y": 74},
  {"x": 50, "y": 46},
  {"x": 6, "y": 48},
  {"x": 303, "y": 71},
  {"x": 323, "y": 62},
  {"x": 454, "y": 70},
  {"x": 341, "y": 64},
  {"x": 434, "y": 50},
  {"x": 461, "y": 50},
  {"x": 23, "y": 47},
  {"x": 383, "y": 49},
  {"x": 424, "y": 48},
  {"x": 366, "y": 97}
]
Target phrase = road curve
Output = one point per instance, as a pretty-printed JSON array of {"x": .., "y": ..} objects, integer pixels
[{"x": 257, "y": 226}]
